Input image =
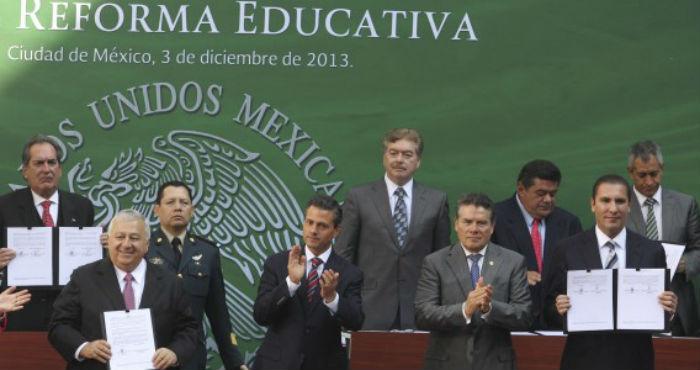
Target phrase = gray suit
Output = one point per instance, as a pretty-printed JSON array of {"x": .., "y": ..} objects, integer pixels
[
  {"x": 485, "y": 343},
  {"x": 368, "y": 239},
  {"x": 680, "y": 223}
]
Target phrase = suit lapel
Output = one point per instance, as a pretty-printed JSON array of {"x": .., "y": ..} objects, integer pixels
[
  {"x": 163, "y": 249},
  {"x": 632, "y": 252},
  {"x": 418, "y": 205},
  {"x": 189, "y": 250},
  {"x": 107, "y": 277},
  {"x": 66, "y": 210},
  {"x": 151, "y": 288},
  {"x": 380, "y": 199},
  {"x": 668, "y": 216},
  {"x": 590, "y": 251},
  {"x": 316, "y": 301},
  {"x": 522, "y": 236},
  {"x": 635, "y": 219},
  {"x": 457, "y": 262},
  {"x": 491, "y": 264},
  {"x": 27, "y": 209}
]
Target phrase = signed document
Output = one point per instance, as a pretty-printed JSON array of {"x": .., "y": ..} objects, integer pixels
[
  {"x": 33, "y": 265},
  {"x": 77, "y": 247},
  {"x": 590, "y": 294},
  {"x": 638, "y": 306},
  {"x": 674, "y": 252},
  {"x": 130, "y": 335}
]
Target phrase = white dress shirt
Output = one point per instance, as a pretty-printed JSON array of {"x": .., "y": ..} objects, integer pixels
[
  {"x": 657, "y": 208},
  {"x": 621, "y": 241},
  {"x": 542, "y": 226},
  {"x": 393, "y": 198},
  {"x": 53, "y": 208},
  {"x": 293, "y": 287}
]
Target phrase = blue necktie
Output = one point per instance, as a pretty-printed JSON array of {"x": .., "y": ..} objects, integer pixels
[{"x": 475, "y": 269}]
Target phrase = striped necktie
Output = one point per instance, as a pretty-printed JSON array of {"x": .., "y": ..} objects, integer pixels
[
  {"x": 400, "y": 217},
  {"x": 312, "y": 284},
  {"x": 651, "y": 230},
  {"x": 611, "y": 262}
]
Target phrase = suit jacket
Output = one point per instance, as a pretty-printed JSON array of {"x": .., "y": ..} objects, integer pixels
[
  {"x": 485, "y": 343},
  {"x": 301, "y": 334},
  {"x": 368, "y": 239},
  {"x": 512, "y": 233},
  {"x": 203, "y": 281},
  {"x": 17, "y": 209},
  {"x": 680, "y": 224},
  {"x": 601, "y": 350},
  {"x": 94, "y": 289}
]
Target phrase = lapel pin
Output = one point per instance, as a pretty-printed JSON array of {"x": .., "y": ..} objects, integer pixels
[
  {"x": 490, "y": 263},
  {"x": 191, "y": 239},
  {"x": 159, "y": 240},
  {"x": 179, "y": 275},
  {"x": 73, "y": 220}
]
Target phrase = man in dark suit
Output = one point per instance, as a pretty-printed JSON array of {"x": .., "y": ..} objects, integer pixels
[
  {"x": 531, "y": 218},
  {"x": 196, "y": 261},
  {"x": 675, "y": 219},
  {"x": 125, "y": 280},
  {"x": 40, "y": 204},
  {"x": 389, "y": 226},
  {"x": 306, "y": 298},
  {"x": 608, "y": 245},
  {"x": 472, "y": 294}
]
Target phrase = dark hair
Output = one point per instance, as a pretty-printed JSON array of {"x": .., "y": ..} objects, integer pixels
[
  {"x": 327, "y": 203},
  {"x": 612, "y": 179},
  {"x": 538, "y": 169},
  {"x": 404, "y": 133},
  {"x": 643, "y": 150},
  {"x": 40, "y": 139},
  {"x": 176, "y": 184},
  {"x": 477, "y": 200}
]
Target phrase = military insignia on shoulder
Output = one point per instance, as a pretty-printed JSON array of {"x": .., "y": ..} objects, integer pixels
[
  {"x": 233, "y": 339},
  {"x": 156, "y": 261}
]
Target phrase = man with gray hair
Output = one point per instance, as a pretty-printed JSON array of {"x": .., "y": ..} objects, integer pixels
[
  {"x": 124, "y": 281},
  {"x": 669, "y": 216},
  {"x": 40, "y": 204}
]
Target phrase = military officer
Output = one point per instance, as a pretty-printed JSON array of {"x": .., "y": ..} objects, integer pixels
[{"x": 196, "y": 261}]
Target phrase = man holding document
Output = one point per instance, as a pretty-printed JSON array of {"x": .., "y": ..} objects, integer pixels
[
  {"x": 608, "y": 246},
  {"x": 123, "y": 282}
]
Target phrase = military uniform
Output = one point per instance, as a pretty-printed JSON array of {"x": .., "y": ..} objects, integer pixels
[{"x": 200, "y": 269}]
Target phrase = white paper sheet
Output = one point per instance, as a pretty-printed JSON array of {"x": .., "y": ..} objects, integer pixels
[
  {"x": 77, "y": 247},
  {"x": 590, "y": 295},
  {"x": 674, "y": 252},
  {"x": 638, "y": 305},
  {"x": 33, "y": 265},
  {"x": 130, "y": 336}
]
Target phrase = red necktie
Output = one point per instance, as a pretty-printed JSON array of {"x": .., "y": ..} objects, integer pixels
[
  {"x": 537, "y": 243},
  {"x": 46, "y": 215},
  {"x": 312, "y": 284}
]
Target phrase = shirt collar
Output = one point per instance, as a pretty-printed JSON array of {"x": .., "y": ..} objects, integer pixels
[
  {"x": 171, "y": 236},
  {"x": 391, "y": 187},
  {"x": 323, "y": 256},
  {"x": 38, "y": 198},
  {"x": 643, "y": 198},
  {"x": 482, "y": 252},
  {"x": 528, "y": 218},
  {"x": 619, "y": 239},
  {"x": 139, "y": 272}
]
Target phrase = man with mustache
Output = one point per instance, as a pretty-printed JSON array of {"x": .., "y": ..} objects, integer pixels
[
  {"x": 663, "y": 214},
  {"x": 530, "y": 223},
  {"x": 389, "y": 226},
  {"x": 40, "y": 204}
]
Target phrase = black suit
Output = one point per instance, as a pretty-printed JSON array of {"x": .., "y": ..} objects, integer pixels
[
  {"x": 511, "y": 232},
  {"x": 94, "y": 289},
  {"x": 304, "y": 335},
  {"x": 17, "y": 210},
  {"x": 602, "y": 350}
]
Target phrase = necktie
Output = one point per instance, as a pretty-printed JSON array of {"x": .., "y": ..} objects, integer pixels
[
  {"x": 46, "y": 215},
  {"x": 611, "y": 263},
  {"x": 537, "y": 243},
  {"x": 475, "y": 268},
  {"x": 400, "y": 217},
  {"x": 651, "y": 230},
  {"x": 312, "y": 284},
  {"x": 176, "y": 243},
  {"x": 128, "y": 292}
]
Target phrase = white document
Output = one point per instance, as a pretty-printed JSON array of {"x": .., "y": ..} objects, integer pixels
[
  {"x": 130, "y": 336},
  {"x": 77, "y": 247},
  {"x": 33, "y": 265},
  {"x": 674, "y": 252},
  {"x": 638, "y": 305},
  {"x": 590, "y": 295}
]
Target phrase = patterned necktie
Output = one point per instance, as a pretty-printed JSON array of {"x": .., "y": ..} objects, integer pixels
[
  {"x": 312, "y": 284},
  {"x": 400, "y": 217},
  {"x": 176, "y": 243},
  {"x": 651, "y": 229},
  {"x": 475, "y": 268},
  {"x": 128, "y": 292},
  {"x": 611, "y": 263},
  {"x": 46, "y": 215},
  {"x": 537, "y": 243}
]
